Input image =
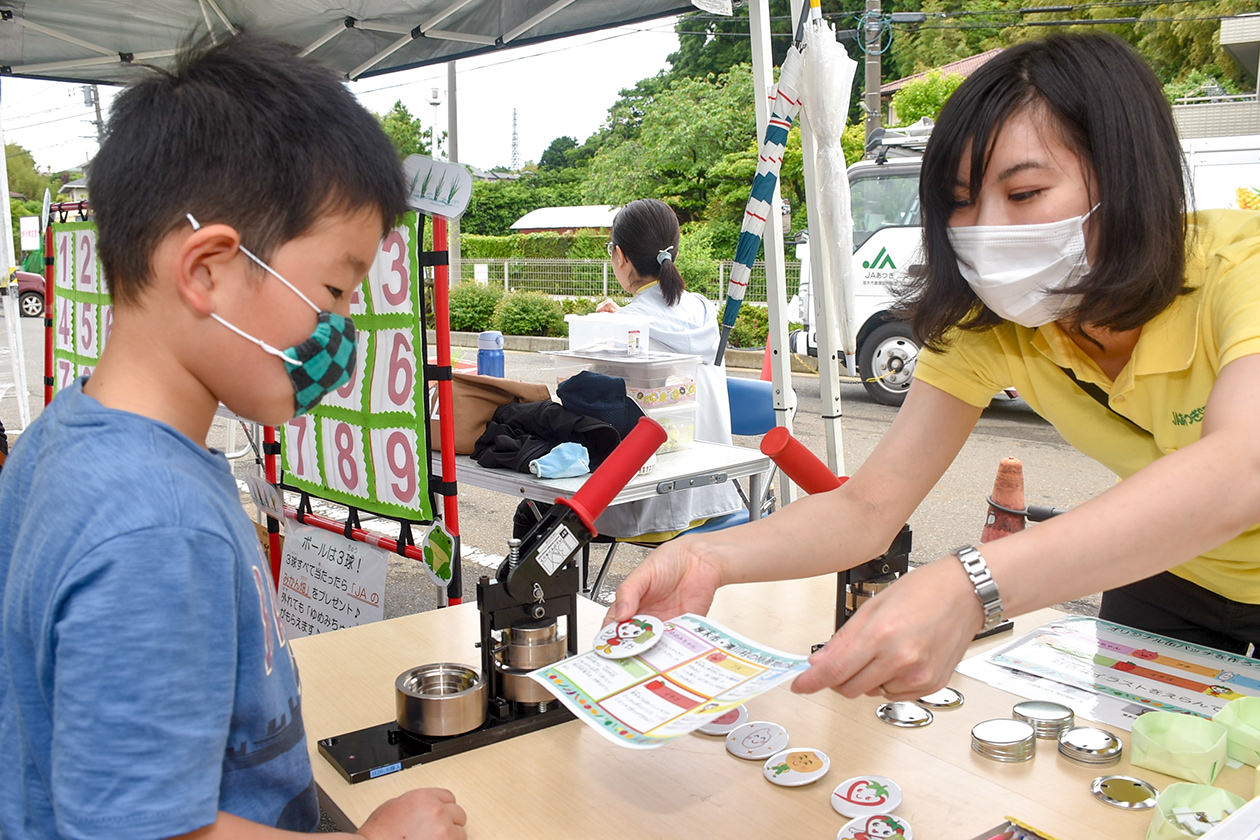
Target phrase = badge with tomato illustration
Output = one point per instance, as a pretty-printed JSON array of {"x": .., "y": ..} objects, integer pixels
[
  {"x": 881, "y": 827},
  {"x": 866, "y": 796}
]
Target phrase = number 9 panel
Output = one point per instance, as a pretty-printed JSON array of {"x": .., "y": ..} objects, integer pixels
[{"x": 395, "y": 461}]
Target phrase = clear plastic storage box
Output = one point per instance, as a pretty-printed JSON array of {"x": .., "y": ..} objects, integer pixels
[
  {"x": 609, "y": 332},
  {"x": 662, "y": 384}
]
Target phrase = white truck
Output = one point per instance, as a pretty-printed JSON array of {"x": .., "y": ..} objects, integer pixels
[{"x": 887, "y": 240}]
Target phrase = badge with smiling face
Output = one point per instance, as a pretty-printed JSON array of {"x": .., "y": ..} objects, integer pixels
[
  {"x": 881, "y": 827},
  {"x": 756, "y": 740},
  {"x": 623, "y": 639},
  {"x": 797, "y": 766}
]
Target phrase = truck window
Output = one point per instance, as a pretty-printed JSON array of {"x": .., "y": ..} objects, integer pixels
[{"x": 882, "y": 199}]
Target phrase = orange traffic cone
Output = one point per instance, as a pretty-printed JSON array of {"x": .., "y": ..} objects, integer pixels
[{"x": 1008, "y": 491}]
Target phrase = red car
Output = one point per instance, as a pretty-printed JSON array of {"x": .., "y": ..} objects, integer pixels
[{"x": 30, "y": 293}]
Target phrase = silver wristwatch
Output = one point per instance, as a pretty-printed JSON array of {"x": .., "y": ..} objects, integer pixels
[{"x": 986, "y": 588}]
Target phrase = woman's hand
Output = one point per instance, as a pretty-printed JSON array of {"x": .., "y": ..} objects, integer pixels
[
  {"x": 607, "y": 305},
  {"x": 904, "y": 642},
  {"x": 679, "y": 577}
]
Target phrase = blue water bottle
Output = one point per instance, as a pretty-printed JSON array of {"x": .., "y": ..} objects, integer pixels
[{"x": 490, "y": 353}]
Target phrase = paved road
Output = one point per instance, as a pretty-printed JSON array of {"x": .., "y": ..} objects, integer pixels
[{"x": 953, "y": 513}]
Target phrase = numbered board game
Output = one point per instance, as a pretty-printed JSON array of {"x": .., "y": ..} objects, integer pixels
[
  {"x": 82, "y": 312},
  {"x": 362, "y": 445}
]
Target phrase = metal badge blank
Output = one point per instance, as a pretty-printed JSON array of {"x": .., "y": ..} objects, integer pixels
[
  {"x": 1124, "y": 792},
  {"x": 904, "y": 713},
  {"x": 946, "y": 698},
  {"x": 797, "y": 766},
  {"x": 623, "y": 639},
  {"x": 756, "y": 740}
]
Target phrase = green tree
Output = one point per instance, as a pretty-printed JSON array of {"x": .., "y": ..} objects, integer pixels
[
  {"x": 24, "y": 176},
  {"x": 405, "y": 131},
  {"x": 688, "y": 129},
  {"x": 924, "y": 97},
  {"x": 555, "y": 155}
]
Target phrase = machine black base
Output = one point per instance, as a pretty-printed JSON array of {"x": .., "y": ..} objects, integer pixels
[{"x": 384, "y": 749}]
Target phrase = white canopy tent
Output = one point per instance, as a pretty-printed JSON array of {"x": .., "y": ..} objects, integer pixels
[{"x": 98, "y": 41}]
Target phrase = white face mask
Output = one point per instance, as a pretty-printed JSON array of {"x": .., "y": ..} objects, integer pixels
[{"x": 1018, "y": 270}]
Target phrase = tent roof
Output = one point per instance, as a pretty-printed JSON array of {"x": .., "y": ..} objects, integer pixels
[{"x": 96, "y": 40}]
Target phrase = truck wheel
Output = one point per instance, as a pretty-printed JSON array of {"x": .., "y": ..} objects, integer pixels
[
  {"x": 886, "y": 362},
  {"x": 31, "y": 304}
]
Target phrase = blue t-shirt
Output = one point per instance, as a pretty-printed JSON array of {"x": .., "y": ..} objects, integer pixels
[{"x": 145, "y": 683}]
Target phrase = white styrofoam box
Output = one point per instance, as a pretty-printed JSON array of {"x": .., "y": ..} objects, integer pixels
[{"x": 611, "y": 332}]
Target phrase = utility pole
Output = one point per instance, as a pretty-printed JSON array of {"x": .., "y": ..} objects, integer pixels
[
  {"x": 92, "y": 96},
  {"x": 874, "y": 26}
]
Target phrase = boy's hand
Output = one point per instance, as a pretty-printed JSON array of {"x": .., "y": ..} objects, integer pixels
[
  {"x": 428, "y": 813},
  {"x": 607, "y": 305},
  {"x": 676, "y": 578}
]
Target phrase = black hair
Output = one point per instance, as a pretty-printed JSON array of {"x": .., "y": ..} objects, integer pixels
[
  {"x": 244, "y": 133},
  {"x": 1108, "y": 108},
  {"x": 646, "y": 230}
]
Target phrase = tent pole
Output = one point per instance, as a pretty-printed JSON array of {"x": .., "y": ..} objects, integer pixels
[
  {"x": 776, "y": 282},
  {"x": 452, "y": 154}
]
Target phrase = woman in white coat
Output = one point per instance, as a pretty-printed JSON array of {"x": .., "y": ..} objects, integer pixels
[{"x": 642, "y": 250}]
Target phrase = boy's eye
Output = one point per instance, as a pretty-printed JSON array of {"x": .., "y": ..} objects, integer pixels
[{"x": 335, "y": 292}]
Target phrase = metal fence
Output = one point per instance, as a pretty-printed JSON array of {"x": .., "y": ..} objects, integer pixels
[{"x": 594, "y": 278}]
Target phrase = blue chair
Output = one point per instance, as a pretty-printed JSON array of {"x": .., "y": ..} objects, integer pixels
[{"x": 752, "y": 413}]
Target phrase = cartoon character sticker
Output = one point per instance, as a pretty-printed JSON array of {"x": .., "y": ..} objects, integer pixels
[
  {"x": 756, "y": 740},
  {"x": 633, "y": 636},
  {"x": 879, "y": 827},
  {"x": 866, "y": 796},
  {"x": 796, "y": 767},
  {"x": 725, "y": 722}
]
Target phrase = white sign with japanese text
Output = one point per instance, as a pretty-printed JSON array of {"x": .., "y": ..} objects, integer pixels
[{"x": 328, "y": 582}]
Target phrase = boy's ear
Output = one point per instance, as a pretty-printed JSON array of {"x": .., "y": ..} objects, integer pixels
[{"x": 206, "y": 260}]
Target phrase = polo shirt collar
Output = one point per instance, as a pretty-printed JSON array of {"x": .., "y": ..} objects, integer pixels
[{"x": 1168, "y": 343}]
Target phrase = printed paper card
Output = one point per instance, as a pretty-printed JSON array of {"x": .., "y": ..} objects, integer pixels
[
  {"x": 328, "y": 582},
  {"x": 1153, "y": 671},
  {"x": 697, "y": 672}
]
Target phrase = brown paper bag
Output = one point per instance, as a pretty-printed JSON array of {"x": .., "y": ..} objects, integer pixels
[{"x": 475, "y": 399}]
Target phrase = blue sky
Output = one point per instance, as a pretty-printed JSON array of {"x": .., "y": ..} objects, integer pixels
[{"x": 563, "y": 87}]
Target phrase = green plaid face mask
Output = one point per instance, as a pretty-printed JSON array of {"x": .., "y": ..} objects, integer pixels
[{"x": 322, "y": 362}]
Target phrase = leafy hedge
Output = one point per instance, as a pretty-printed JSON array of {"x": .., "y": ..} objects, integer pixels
[
  {"x": 541, "y": 246},
  {"x": 473, "y": 305},
  {"x": 529, "y": 313}
]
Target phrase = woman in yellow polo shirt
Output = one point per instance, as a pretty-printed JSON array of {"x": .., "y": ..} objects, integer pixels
[{"x": 1059, "y": 260}]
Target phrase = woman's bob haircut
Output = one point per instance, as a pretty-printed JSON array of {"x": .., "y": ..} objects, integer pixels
[{"x": 1105, "y": 105}]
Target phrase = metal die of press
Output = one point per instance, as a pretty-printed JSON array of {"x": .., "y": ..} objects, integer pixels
[
  {"x": 525, "y": 648},
  {"x": 440, "y": 699}
]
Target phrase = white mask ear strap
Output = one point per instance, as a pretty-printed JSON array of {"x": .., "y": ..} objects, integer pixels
[
  {"x": 264, "y": 345},
  {"x": 196, "y": 225}
]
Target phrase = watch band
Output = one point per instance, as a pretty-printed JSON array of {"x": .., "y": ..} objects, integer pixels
[{"x": 985, "y": 587}]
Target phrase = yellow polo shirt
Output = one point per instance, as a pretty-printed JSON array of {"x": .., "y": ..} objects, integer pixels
[{"x": 1164, "y": 387}]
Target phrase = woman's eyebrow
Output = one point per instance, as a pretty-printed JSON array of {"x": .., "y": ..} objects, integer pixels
[{"x": 1015, "y": 169}]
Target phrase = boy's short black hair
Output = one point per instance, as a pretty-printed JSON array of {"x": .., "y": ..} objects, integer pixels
[
  {"x": 244, "y": 133},
  {"x": 1107, "y": 106}
]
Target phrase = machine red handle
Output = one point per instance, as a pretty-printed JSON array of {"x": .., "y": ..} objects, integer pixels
[
  {"x": 618, "y": 468},
  {"x": 798, "y": 463}
]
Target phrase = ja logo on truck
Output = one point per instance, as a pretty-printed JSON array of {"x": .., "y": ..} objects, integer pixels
[{"x": 882, "y": 260}]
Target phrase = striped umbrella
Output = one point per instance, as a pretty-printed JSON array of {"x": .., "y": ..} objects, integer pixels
[{"x": 783, "y": 109}]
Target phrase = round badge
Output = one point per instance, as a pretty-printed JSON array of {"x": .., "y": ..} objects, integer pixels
[
  {"x": 946, "y": 698},
  {"x": 866, "y": 796},
  {"x": 725, "y": 722},
  {"x": 756, "y": 740},
  {"x": 623, "y": 639},
  {"x": 879, "y": 826},
  {"x": 904, "y": 713},
  {"x": 797, "y": 766}
]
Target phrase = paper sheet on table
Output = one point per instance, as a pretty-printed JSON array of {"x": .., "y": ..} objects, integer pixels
[
  {"x": 1112, "y": 674},
  {"x": 698, "y": 671}
]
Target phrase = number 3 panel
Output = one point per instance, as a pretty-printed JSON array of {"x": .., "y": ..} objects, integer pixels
[
  {"x": 394, "y": 372},
  {"x": 390, "y": 276},
  {"x": 343, "y": 458},
  {"x": 395, "y": 463}
]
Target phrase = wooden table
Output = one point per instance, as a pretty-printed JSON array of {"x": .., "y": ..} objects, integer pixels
[{"x": 568, "y": 781}]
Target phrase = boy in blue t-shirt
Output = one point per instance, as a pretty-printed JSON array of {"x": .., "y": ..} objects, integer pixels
[{"x": 146, "y": 688}]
